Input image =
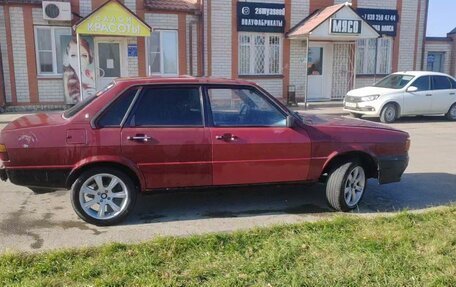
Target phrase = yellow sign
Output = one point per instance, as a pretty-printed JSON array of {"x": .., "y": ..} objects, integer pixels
[{"x": 113, "y": 19}]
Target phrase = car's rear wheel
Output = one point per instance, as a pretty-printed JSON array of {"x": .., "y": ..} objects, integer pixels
[
  {"x": 103, "y": 196},
  {"x": 451, "y": 115},
  {"x": 346, "y": 185},
  {"x": 389, "y": 113},
  {"x": 355, "y": 115}
]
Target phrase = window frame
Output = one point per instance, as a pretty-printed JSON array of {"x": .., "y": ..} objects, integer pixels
[
  {"x": 162, "y": 70},
  {"x": 417, "y": 78},
  {"x": 208, "y": 111},
  {"x": 267, "y": 54},
  {"x": 53, "y": 49},
  {"x": 442, "y": 55},
  {"x": 379, "y": 60},
  {"x": 140, "y": 94}
]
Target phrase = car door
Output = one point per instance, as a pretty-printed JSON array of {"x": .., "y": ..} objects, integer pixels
[
  {"x": 251, "y": 142},
  {"x": 418, "y": 102},
  {"x": 442, "y": 94},
  {"x": 165, "y": 136}
]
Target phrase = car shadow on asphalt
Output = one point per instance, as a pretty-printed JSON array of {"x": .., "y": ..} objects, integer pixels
[
  {"x": 415, "y": 119},
  {"x": 416, "y": 191}
]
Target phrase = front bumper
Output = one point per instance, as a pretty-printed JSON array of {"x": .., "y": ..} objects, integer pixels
[
  {"x": 364, "y": 108},
  {"x": 391, "y": 168},
  {"x": 3, "y": 175}
]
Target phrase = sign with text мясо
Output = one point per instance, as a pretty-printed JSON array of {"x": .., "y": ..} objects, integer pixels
[
  {"x": 383, "y": 20},
  {"x": 260, "y": 17}
]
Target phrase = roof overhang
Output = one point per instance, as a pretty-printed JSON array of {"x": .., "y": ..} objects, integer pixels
[
  {"x": 112, "y": 19},
  {"x": 338, "y": 23}
]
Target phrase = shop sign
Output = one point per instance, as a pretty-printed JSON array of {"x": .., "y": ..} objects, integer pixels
[
  {"x": 113, "y": 19},
  {"x": 260, "y": 17},
  {"x": 345, "y": 26},
  {"x": 383, "y": 20}
]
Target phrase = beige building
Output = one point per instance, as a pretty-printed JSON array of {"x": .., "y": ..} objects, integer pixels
[{"x": 314, "y": 48}]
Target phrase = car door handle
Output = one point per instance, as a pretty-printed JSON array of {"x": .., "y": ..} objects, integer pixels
[
  {"x": 428, "y": 95},
  {"x": 226, "y": 137},
  {"x": 452, "y": 94},
  {"x": 139, "y": 138}
]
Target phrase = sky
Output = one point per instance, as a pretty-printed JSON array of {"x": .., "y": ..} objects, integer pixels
[{"x": 441, "y": 17}]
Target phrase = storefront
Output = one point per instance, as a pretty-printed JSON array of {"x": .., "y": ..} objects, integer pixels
[{"x": 317, "y": 49}]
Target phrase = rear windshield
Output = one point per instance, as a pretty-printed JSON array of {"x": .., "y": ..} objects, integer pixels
[
  {"x": 84, "y": 103},
  {"x": 394, "y": 81}
]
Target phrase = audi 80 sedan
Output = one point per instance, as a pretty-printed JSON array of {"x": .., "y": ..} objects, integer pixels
[{"x": 149, "y": 134}]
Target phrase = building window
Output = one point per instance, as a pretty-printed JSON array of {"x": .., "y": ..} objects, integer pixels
[
  {"x": 435, "y": 61},
  {"x": 163, "y": 52},
  {"x": 365, "y": 57},
  {"x": 260, "y": 54},
  {"x": 48, "y": 46}
]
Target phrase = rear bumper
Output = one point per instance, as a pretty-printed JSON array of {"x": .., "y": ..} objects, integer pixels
[
  {"x": 47, "y": 178},
  {"x": 391, "y": 168}
]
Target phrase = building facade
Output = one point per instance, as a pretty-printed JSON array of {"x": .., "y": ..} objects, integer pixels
[
  {"x": 440, "y": 53},
  {"x": 317, "y": 49}
]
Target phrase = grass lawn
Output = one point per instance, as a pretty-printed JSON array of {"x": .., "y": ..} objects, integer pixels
[{"x": 403, "y": 250}]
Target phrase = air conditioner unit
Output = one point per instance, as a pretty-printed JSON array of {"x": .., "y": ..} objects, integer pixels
[{"x": 56, "y": 11}]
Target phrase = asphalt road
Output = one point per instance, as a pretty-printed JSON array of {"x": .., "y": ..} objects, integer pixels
[{"x": 31, "y": 222}]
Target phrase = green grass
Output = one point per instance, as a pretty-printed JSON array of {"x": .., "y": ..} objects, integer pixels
[{"x": 403, "y": 250}]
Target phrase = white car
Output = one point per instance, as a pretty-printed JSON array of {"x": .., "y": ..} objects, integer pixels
[{"x": 405, "y": 94}]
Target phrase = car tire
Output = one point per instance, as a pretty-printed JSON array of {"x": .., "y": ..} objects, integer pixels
[
  {"x": 41, "y": 190},
  {"x": 103, "y": 196},
  {"x": 346, "y": 186},
  {"x": 355, "y": 115},
  {"x": 451, "y": 115},
  {"x": 389, "y": 113}
]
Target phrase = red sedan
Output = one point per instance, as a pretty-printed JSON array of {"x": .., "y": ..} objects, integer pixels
[{"x": 144, "y": 134}]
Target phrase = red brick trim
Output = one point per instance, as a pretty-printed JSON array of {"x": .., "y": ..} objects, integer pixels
[
  {"x": 318, "y": 4},
  {"x": 286, "y": 52},
  {"x": 354, "y": 4},
  {"x": 234, "y": 41},
  {"x": 142, "y": 65},
  {"x": 75, "y": 6},
  {"x": 397, "y": 38},
  {"x": 199, "y": 48},
  {"x": 9, "y": 43},
  {"x": 417, "y": 32},
  {"x": 182, "y": 34},
  {"x": 30, "y": 54}
]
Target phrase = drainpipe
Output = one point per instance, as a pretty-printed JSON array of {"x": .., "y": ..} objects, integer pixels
[{"x": 3, "y": 91}]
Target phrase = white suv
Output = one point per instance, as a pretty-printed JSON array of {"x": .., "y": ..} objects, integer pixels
[{"x": 405, "y": 94}]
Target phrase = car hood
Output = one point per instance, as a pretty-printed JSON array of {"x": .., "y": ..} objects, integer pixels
[
  {"x": 339, "y": 121},
  {"x": 367, "y": 91},
  {"x": 36, "y": 120}
]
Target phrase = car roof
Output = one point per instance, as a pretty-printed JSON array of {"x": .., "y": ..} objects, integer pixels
[
  {"x": 181, "y": 80},
  {"x": 421, "y": 73}
]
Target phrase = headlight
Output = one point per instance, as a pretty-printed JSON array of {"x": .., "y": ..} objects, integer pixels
[{"x": 369, "y": 98}]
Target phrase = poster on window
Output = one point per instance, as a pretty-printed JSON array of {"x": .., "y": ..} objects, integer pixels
[
  {"x": 71, "y": 79},
  {"x": 315, "y": 61}
]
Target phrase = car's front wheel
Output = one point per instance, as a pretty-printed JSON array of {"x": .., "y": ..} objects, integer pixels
[
  {"x": 346, "y": 185},
  {"x": 389, "y": 113},
  {"x": 451, "y": 115},
  {"x": 103, "y": 196}
]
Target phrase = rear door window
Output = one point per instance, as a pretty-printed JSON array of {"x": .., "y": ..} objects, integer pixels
[
  {"x": 115, "y": 113},
  {"x": 167, "y": 106},
  {"x": 440, "y": 83}
]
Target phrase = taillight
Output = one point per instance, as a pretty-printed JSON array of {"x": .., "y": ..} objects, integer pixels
[
  {"x": 407, "y": 144},
  {"x": 3, "y": 153}
]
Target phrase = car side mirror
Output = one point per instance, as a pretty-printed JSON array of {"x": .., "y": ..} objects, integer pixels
[
  {"x": 412, "y": 89},
  {"x": 291, "y": 121}
]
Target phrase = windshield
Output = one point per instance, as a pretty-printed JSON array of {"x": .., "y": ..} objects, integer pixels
[
  {"x": 79, "y": 106},
  {"x": 394, "y": 81}
]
